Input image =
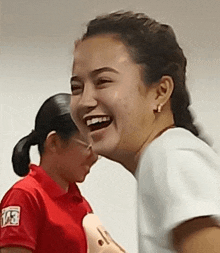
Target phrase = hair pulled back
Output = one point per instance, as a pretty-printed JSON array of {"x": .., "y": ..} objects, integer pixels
[
  {"x": 53, "y": 115},
  {"x": 154, "y": 46}
]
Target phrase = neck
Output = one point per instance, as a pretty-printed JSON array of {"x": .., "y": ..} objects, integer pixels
[
  {"x": 148, "y": 141},
  {"x": 125, "y": 158},
  {"x": 163, "y": 122},
  {"x": 130, "y": 159}
]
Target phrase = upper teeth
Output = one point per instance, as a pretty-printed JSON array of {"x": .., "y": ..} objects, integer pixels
[{"x": 97, "y": 120}]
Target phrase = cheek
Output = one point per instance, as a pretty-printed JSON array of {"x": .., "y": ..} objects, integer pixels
[
  {"x": 73, "y": 107},
  {"x": 80, "y": 155},
  {"x": 132, "y": 115},
  {"x": 115, "y": 101},
  {"x": 74, "y": 115}
]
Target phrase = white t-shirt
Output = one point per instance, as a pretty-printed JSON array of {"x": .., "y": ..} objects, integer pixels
[{"x": 178, "y": 179}]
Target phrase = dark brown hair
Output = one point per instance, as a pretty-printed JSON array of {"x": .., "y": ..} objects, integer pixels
[
  {"x": 154, "y": 46},
  {"x": 54, "y": 114}
]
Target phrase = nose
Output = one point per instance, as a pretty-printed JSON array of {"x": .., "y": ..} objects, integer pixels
[{"x": 88, "y": 98}]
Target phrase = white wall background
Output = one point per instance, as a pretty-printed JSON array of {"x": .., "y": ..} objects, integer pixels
[{"x": 35, "y": 62}]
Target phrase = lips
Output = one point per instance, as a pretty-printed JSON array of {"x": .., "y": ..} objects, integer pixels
[{"x": 97, "y": 122}]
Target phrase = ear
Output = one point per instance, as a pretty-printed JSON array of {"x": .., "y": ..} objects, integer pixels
[
  {"x": 52, "y": 142},
  {"x": 164, "y": 90}
]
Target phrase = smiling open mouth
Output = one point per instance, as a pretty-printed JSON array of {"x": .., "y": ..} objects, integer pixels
[{"x": 96, "y": 123}]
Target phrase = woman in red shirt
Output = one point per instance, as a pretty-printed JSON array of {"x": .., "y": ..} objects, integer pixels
[{"x": 44, "y": 211}]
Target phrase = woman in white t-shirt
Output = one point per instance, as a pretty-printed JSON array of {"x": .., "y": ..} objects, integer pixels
[{"x": 128, "y": 90}]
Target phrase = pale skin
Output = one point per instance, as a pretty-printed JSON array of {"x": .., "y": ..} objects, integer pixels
[{"x": 99, "y": 90}]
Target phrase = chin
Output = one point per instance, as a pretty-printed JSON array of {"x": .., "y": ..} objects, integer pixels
[
  {"x": 108, "y": 151},
  {"x": 81, "y": 180}
]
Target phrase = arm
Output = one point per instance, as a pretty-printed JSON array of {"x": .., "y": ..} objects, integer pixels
[
  {"x": 20, "y": 221},
  {"x": 15, "y": 250},
  {"x": 199, "y": 235}
]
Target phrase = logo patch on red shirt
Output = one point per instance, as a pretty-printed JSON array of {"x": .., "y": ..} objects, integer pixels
[{"x": 10, "y": 216}]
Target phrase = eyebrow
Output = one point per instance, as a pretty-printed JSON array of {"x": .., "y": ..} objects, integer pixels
[
  {"x": 104, "y": 69},
  {"x": 74, "y": 78},
  {"x": 95, "y": 73}
]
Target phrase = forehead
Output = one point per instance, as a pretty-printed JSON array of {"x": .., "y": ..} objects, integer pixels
[{"x": 100, "y": 51}]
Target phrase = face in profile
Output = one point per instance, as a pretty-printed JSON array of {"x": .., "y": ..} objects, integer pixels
[
  {"x": 75, "y": 159},
  {"x": 109, "y": 98}
]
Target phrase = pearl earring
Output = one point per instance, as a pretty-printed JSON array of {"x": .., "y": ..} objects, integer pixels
[{"x": 159, "y": 107}]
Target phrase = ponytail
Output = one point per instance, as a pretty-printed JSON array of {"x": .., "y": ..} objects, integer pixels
[
  {"x": 21, "y": 156},
  {"x": 184, "y": 119},
  {"x": 180, "y": 102},
  {"x": 53, "y": 115}
]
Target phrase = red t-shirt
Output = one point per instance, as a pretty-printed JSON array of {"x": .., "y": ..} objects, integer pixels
[{"x": 38, "y": 214}]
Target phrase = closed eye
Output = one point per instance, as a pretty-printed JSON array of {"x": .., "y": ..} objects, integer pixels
[
  {"x": 76, "y": 90},
  {"x": 103, "y": 81},
  {"x": 76, "y": 86}
]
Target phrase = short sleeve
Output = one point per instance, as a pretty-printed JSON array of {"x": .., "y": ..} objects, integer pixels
[
  {"x": 20, "y": 219},
  {"x": 189, "y": 187},
  {"x": 181, "y": 184}
]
